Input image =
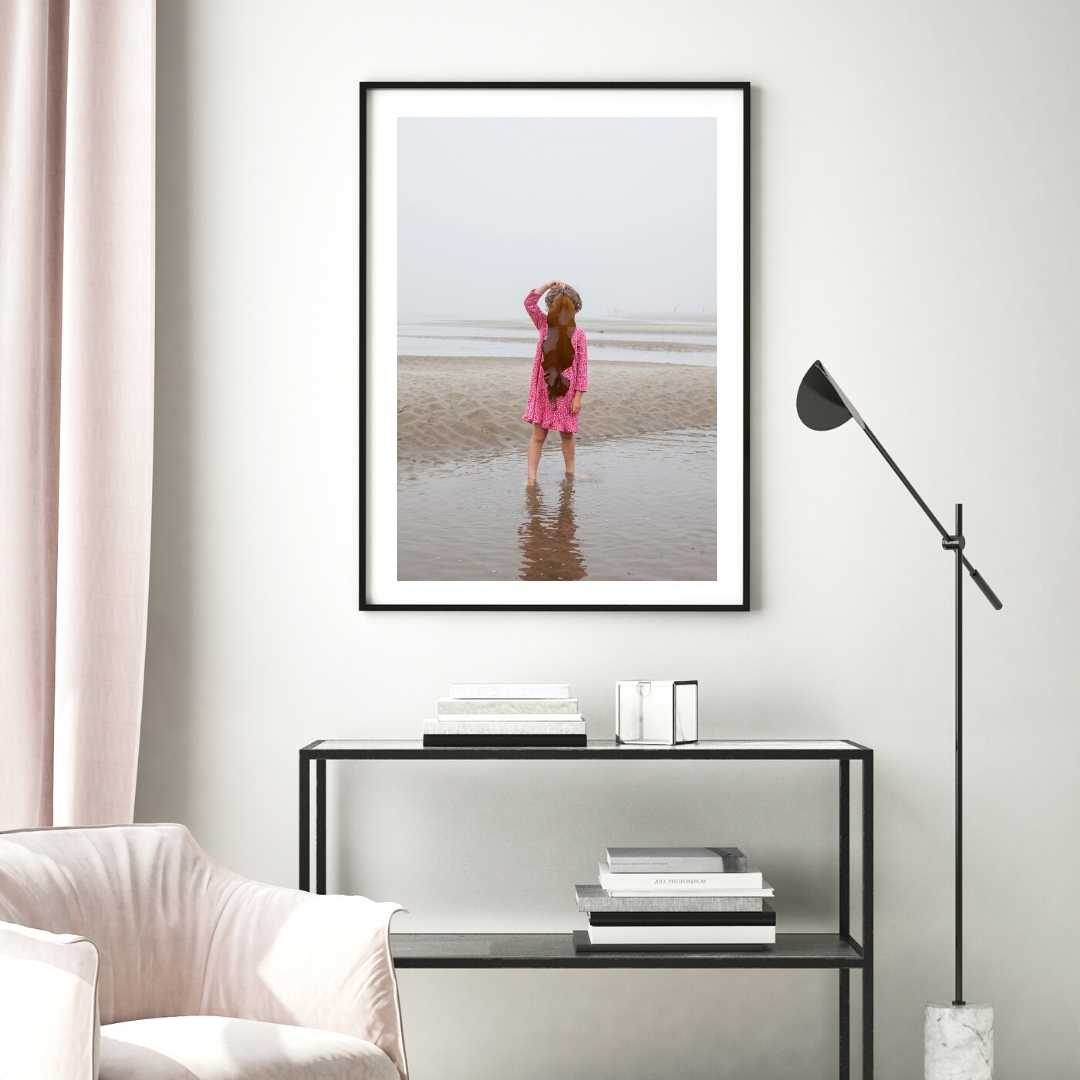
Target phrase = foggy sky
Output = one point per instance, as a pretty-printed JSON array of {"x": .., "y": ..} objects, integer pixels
[{"x": 623, "y": 209}]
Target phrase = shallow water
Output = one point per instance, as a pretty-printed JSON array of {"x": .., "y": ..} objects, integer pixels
[
  {"x": 639, "y": 509},
  {"x": 676, "y": 343}
]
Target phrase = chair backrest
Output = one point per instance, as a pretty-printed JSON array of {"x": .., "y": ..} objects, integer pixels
[{"x": 146, "y": 895}]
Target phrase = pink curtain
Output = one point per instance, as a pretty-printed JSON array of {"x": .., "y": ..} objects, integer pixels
[{"x": 76, "y": 403}]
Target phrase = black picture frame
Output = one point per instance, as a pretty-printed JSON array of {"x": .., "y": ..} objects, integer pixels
[{"x": 365, "y": 89}]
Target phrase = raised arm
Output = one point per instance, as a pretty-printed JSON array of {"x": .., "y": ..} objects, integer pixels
[{"x": 532, "y": 306}]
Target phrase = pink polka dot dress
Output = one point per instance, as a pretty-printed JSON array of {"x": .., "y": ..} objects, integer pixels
[{"x": 554, "y": 415}]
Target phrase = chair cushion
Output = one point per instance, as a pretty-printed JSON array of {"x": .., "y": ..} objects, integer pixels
[{"x": 217, "y": 1048}]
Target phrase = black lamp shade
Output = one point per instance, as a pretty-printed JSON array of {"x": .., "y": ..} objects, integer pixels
[{"x": 819, "y": 405}]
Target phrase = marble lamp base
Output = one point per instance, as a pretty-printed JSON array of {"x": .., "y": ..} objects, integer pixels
[{"x": 959, "y": 1042}]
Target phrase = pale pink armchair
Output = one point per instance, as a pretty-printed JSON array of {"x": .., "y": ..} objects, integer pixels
[{"x": 126, "y": 953}]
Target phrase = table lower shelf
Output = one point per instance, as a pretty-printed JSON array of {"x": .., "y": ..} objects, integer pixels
[{"x": 557, "y": 951}]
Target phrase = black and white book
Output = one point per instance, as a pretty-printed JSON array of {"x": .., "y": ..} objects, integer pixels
[
  {"x": 668, "y": 884},
  {"x": 675, "y": 860},
  {"x": 594, "y": 898},
  {"x": 765, "y": 917},
  {"x": 681, "y": 937},
  {"x": 507, "y": 707},
  {"x": 510, "y": 690},
  {"x": 463, "y": 741}
]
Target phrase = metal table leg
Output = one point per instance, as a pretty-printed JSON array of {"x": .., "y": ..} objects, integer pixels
[
  {"x": 305, "y": 822},
  {"x": 844, "y": 906},
  {"x": 868, "y": 916},
  {"x": 320, "y": 826}
]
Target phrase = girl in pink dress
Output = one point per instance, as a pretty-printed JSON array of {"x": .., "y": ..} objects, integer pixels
[{"x": 560, "y": 372}]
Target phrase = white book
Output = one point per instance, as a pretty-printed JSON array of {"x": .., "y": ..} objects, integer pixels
[
  {"x": 510, "y": 718},
  {"x": 514, "y": 725},
  {"x": 676, "y": 860},
  {"x": 510, "y": 690},
  {"x": 765, "y": 893},
  {"x": 506, "y": 706},
  {"x": 723, "y": 884},
  {"x": 683, "y": 936},
  {"x": 593, "y": 898}
]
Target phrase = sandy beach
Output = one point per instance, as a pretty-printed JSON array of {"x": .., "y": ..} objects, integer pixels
[{"x": 453, "y": 408}]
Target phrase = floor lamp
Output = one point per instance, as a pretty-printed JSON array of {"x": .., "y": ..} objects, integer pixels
[{"x": 959, "y": 1038}]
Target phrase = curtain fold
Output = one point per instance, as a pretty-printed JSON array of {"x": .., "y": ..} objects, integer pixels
[{"x": 77, "y": 115}]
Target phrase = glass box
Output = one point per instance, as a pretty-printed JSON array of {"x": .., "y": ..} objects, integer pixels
[{"x": 656, "y": 711}]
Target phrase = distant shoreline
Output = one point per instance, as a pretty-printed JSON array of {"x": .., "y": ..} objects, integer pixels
[
  {"x": 450, "y": 408},
  {"x": 593, "y": 324},
  {"x": 596, "y": 338}
]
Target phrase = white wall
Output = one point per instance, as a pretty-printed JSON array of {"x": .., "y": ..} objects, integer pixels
[{"x": 915, "y": 226}]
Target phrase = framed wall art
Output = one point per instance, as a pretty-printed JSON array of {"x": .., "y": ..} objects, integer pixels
[{"x": 554, "y": 361}]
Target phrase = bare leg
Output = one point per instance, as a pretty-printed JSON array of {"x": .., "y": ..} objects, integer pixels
[
  {"x": 568, "y": 451},
  {"x": 536, "y": 444}
]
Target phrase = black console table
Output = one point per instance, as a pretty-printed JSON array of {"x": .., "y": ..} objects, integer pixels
[{"x": 837, "y": 950}]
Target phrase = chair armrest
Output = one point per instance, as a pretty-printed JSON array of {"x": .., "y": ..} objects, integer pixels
[
  {"x": 288, "y": 957},
  {"x": 48, "y": 1004}
]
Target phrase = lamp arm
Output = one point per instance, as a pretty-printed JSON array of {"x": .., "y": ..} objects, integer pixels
[
  {"x": 984, "y": 585},
  {"x": 980, "y": 581},
  {"x": 945, "y": 534}
]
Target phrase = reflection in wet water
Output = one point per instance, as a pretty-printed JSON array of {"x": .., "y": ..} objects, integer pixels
[
  {"x": 640, "y": 509},
  {"x": 548, "y": 537}
]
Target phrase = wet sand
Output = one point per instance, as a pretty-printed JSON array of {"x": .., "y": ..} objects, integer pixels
[{"x": 451, "y": 409}]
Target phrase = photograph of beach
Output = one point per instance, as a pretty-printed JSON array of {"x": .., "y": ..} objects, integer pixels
[
  {"x": 642, "y": 503},
  {"x": 561, "y": 361}
]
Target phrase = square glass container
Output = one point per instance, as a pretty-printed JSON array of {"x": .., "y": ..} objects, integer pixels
[{"x": 656, "y": 712}]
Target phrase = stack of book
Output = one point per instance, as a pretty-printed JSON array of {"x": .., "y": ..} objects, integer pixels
[
  {"x": 664, "y": 898},
  {"x": 506, "y": 714}
]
